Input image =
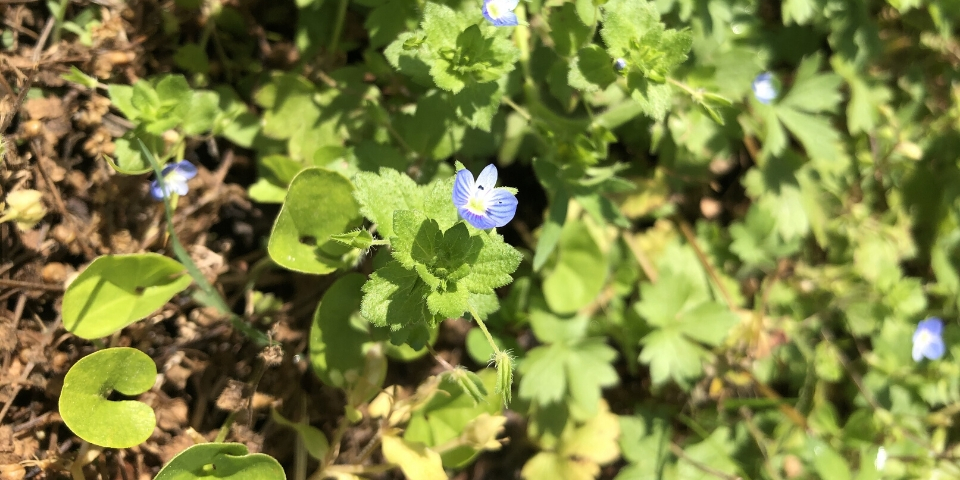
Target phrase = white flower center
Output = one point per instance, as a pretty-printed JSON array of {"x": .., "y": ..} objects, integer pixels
[
  {"x": 496, "y": 9},
  {"x": 477, "y": 205}
]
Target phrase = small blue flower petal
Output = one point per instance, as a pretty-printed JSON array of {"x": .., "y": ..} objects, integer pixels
[
  {"x": 764, "y": 89},
  {"x": 619, "y": 64},
  {"x": 487, "y": 179},
  {"x": 155, "y": 191},
  {"x": 500, "y": 12},
  {"x": 479, "y": 202},
  {"x": 462, "y": 187},
  {"x": 928, "y": 340},
  {"x": 501, "y": 207},
  {"x": 175, "y": 176}
]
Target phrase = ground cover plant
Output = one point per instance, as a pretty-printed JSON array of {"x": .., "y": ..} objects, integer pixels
[{"x": 479, "y": 239}]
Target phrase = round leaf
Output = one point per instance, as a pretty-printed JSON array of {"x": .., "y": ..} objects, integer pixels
[
  {"x": 221, "y": 460},
  {"x": 117, "y": 290},
  {"x": 319, "y": 204},
  {"x": 338, "y": 335},
  {"x": 84, "y": 405}
]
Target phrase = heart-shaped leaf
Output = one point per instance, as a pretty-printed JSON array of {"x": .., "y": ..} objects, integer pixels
[
  {"x": 87, "y": 411},
  {"x": 221, "y": 460},
  {"x": 319, "y": 204},
  {"x": 117, "y": 290}
]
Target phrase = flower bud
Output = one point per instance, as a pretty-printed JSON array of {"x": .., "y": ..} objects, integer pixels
[
  {"x": 505, "y": 367},
  {"x": 24, "y": 207}
]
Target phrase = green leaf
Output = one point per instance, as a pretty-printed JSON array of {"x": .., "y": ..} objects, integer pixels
[
  {"x": 717, "y": 450},
  {"x": 815, "y": 133},
  {"x": 86, "y": 387},
  {"x": 78, "y": 77},
  {"x": 580, "y": 369},
  {"x": 591, "y": 70},
  {"x": 356, "y": 239},
  {"x": 229, "y": 461},
  {"x": 319, "y": 204},
  {"x": 117, "y": 290},
  {"x": 129, "y": 157},
  {"x": 653, "y": 98},
  {"x": 552, "y": 228},
  {"x": 625, "y": 21},
  {"x": 567, "y": 29},
  {"x": 494, "y": 265},
  {"x": 757, "y": 241},
  {"x": 388, "y": 20},
  {"x": 339, "y": 337},
  {"x": 447, "y": 417},
  {"x": 404, "y": 194},
  {"x": 193, "y": 58},
  {"x": 314, "y": 440},
  {"x": 580, "y": 272},
  {"x": 204, "y": 108},
  {"x": 587, "y": 11},
  {"x": 396, "y": 297},
  {"x": 680, "y": 312}
]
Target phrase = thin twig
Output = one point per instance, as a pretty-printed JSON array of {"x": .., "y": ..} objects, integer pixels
[
  {"x": 16, "y": 389},
  {"x": 648, "y": 268},
  {"x": 699, "y": 466},
  {"x": 58, "y": 200},
  {"x": 30, "y": 285},
  {"x": 692, "y": 240}
]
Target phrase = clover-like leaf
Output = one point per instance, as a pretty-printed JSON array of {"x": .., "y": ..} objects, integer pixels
[
  {"x": 229, "y": 461},
  {"x": 319, "y": 204},
  {"x": 84, "y": 403},
  {"x": 117, "y": 290}
]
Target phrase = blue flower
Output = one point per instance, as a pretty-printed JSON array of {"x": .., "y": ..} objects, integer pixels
[
  {"x": 500, "y": 12},
  {"x": 765, "y": 88},
  {"x": 479, "y": 203},
  {"x": 619, "y": 64},
  {"x": 175, "y": 178},
  {"x": 927, "y": 340}
]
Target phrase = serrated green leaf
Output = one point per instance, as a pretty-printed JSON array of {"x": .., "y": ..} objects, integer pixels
[
  {"x": 586, "y": 370},
  {"x": 815, "y": 133},
  {"x": 591, "y": 70},
  {"x": 568, "y": 29},
  {"x": 494, "y": 265},
  {"x": 396, "y": 297},
  {"x": 624, "y": 21},
  {"x": 681, "y": 311}
]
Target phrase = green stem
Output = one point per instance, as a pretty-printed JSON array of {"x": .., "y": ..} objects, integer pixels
[
  {"x": 338, "y": 28},
  {"x": 225, "y": 429},
  {"x": 486, "y": 333},
  {"x": 59, "y": 15},
  {"x": 208, "y": 294}
]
